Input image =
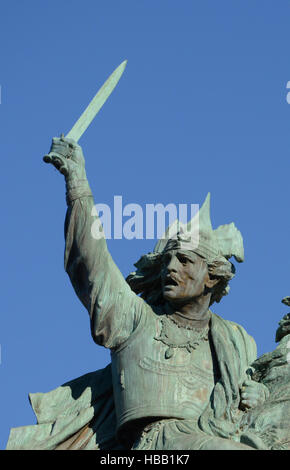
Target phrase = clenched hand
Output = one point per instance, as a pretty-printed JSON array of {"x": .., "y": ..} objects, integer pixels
[{"x": 67, "y": 157}]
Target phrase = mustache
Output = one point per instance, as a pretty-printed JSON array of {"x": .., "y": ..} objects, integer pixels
[{"x": 171, "y": 279}]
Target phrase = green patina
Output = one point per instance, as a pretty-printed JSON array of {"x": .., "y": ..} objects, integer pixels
[{"x": 181, "y": 377}]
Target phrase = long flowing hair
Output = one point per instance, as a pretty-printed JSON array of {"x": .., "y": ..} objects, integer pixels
[{"x": 146, "y": 280}]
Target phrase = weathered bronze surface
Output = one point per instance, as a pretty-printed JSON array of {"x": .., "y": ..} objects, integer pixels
[{"x": 181, "y": 377}]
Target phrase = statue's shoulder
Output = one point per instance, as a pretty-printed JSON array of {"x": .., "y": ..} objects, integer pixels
[
  {"x": 235, "y": 330},
  {"x": 228, "y": 323}
]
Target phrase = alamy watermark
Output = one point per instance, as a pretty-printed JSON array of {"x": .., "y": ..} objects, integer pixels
[{"x": 132, "y": 221}]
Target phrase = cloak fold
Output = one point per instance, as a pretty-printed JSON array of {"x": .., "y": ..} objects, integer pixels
[
  {"x": 235, "y": 352},
  {"x": 77, "y": 415}
]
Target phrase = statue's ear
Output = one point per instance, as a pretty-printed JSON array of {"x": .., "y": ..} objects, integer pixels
[{"x": 210, "y": 283}]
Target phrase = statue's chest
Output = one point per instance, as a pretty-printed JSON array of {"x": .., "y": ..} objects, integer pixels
[
  {"x": 189, "y": 349},
  {"x": 180, "y": 341},
  {"x": 185, "y": 354},
  {"x": 168, "y": 368}
]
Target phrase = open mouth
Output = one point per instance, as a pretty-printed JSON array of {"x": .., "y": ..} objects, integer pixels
[{"x": 169, "y": 281}]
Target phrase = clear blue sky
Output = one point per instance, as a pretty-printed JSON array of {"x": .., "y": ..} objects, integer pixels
[{"x": 201, "y": 107}]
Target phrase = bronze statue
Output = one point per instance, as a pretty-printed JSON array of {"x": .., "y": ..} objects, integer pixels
[{"x": 181, "y": 377}]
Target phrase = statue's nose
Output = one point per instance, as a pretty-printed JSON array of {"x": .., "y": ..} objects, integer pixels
[{"x": 172, "y": 265}]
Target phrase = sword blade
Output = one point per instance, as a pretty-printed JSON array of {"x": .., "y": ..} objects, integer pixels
[{"x": 97, "y": 102}]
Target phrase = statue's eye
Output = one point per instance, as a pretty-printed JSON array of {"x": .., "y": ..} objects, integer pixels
[
  {"x": 183, "y": 260},
  {"x": 165, "y": 260}
]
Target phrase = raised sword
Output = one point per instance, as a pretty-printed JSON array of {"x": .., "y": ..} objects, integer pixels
[{"x": 94, "y": 106}]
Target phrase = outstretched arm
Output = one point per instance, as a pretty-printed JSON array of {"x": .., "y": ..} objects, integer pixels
[{"x": 113, "y": 308}]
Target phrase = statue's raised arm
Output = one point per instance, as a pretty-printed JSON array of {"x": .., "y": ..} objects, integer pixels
[{"x": 113, "y": 308}]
